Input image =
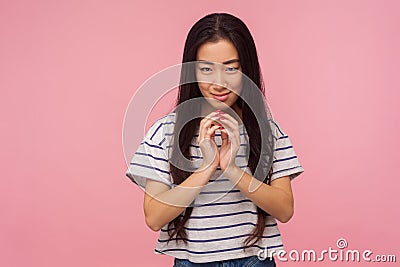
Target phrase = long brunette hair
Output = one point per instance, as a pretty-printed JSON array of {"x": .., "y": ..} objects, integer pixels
[{"x": 212, "y": 28}]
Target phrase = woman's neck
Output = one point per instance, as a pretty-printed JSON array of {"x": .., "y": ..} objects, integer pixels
[{"x": 237, "y": 110}]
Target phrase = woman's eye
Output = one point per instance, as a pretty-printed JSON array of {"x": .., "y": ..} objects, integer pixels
[
  {"x": 231, "y": 69},
  {"x": 205, "y": 69}
]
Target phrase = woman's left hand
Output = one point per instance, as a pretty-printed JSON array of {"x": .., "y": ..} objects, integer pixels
[{"x": 230, "y": 142}]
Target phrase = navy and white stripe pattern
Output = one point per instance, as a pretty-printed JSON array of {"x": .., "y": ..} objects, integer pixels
[{"x": 222, "y": 217}]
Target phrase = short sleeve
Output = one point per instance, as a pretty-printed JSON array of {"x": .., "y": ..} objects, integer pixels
[
  {"x": 150, "y": 160},
  {"x": 285, "y": 162}
]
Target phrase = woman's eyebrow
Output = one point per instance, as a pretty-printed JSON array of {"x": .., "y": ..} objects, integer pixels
[{"x": 226, "y": 62}]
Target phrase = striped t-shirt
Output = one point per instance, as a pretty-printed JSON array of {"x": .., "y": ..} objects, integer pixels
[{"x": 222, "y": 216}]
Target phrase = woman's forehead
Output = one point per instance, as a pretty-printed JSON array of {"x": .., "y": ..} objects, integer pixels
[{"x": 223, "y": 52}]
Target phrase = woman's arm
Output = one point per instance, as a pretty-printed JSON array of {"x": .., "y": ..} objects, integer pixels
[
  {"x": 162, "y": 204},
  {"x": 276, "y": 198}
]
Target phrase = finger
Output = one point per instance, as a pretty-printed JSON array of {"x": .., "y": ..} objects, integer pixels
[
  {"x": 208, "y": 124},
  {"x": 224, "y": 137},
  {"x": 228, "y": 118},
  {"x": 216, "y": 117},
  {"x": 232, "y": 127},
  {"x": 209, "y": 118},
  {"x": 205, "y": 124},
  {"x": 229, "y": 125},
  {"x": 227, "y": 144},
  {"x": 212, "y": 114},
  {"x": 211, "y": 131}
]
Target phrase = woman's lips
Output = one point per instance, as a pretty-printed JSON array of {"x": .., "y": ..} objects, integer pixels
[{"x": 222, "y": 97}]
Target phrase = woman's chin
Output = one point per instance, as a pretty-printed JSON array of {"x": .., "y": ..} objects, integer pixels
[{"x": 215, "y": 104}]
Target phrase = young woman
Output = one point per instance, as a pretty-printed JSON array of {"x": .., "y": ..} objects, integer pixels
[{"x": 217, "y": 170}]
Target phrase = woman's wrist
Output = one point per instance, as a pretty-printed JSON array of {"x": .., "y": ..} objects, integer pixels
[
  {"x": 234, "y": 173},
  {"x": 207, "y": 170}
]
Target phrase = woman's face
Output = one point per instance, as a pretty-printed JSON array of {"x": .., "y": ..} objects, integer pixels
[{"x": 219, "y": 76}]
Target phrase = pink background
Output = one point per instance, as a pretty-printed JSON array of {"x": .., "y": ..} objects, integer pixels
[{"x": 69, "y": 69}]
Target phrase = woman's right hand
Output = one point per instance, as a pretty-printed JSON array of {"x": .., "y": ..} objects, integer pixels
[{"x": 208, "y": 147}]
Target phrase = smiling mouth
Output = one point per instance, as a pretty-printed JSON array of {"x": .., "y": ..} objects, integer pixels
[{"x": 221, "y": 97}]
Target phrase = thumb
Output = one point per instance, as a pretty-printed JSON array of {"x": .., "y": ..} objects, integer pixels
[{"x": 224, "y": 137}]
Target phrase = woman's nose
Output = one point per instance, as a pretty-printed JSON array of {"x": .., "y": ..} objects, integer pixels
[
  {"x": 218, "y": 85},
  {"x": 218, "y": 81}
]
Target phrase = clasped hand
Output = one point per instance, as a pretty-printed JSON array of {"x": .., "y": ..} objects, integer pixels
[{"x": 226, "y": 155}]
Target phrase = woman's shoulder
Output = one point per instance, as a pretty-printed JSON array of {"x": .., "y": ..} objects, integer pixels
[
  {"x": 165, "y": 119},
  {"x": 276, "y": 129},
  {"x": 160, "y": 128}
]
